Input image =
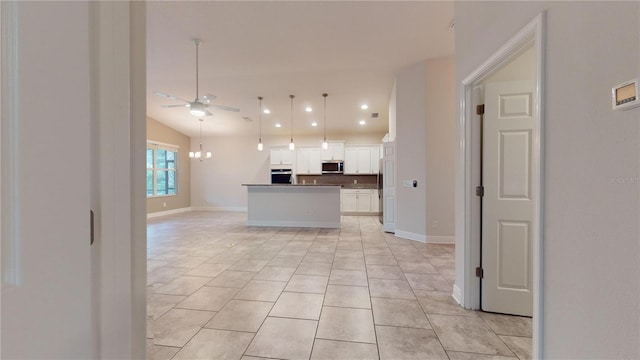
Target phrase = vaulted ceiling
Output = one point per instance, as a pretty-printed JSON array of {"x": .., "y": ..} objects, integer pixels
[{"x": 350, "y": 50}]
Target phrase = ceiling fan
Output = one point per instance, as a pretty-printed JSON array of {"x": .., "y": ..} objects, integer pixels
[{"x": 197, "y": 107}]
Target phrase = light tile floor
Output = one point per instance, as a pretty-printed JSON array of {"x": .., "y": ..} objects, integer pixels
[{"x": 218, "y": 289}]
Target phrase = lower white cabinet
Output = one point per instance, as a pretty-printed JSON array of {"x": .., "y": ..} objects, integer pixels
[{"x": 359, "y": 201}]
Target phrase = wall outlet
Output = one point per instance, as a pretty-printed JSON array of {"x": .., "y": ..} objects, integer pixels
[
  {"x": 434, "y": 224},
  {"x": 164, "y": 204},
  {"x": 304, "y": 181},
  {"x": 314, "y": 181},
  {"x": 355, "y": 181}
]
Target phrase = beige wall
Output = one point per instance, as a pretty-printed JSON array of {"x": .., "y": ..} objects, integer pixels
[
  {"x": 441, "y": 149},
  {"x": 591, "y": 200},
  {"x": 157, "y": 131}
]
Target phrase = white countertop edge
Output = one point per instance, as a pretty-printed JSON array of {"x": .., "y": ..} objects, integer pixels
[{"x": 309, "y": 224}]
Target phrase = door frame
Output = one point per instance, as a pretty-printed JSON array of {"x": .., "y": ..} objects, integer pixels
[{"x": 468, "y": 220}]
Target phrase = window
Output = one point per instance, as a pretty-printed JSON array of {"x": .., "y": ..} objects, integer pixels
[{"x": 162, "y": 162}]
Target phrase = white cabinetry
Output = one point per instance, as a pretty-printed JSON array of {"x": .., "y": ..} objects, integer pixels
[
  {"x": 281, "y": 156},
  {"x": 375, "y": 159},
  {"x": 334, "y": 152},
  {"x": 359, "y": 201},
  {"x": 308, "y": 162},
  {"x": 362, "y": 160}
]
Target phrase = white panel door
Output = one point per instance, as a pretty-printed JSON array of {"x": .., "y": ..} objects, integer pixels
[
  {"x": 351, "y": 161},
  {"x": 364, "y": 161},
  {"x": 363, "y": 199},
  {"x": 315, "y": 164},
  {"x": 375, "y": 159},
  {"x": 507, "y": 205},
  {"x": 349, "y": 201},
  {"x": 302, "y": 161},
  {"x": 276, "y": 156},
  {"x": 46, "y": 254}
]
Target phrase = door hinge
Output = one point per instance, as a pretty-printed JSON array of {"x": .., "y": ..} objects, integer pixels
[
  {"x": 480, "y": 191},
  {"x": 480, "y": 109},
  {"x": 479, "y": 272},
  {"x": 92, "y": 229}
]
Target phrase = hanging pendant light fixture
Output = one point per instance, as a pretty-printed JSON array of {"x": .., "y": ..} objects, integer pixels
[
  {"x": 292, "y": 146},
  {"x": 200, "y": 155},
  {"x": 260, "y": 124},
  {"x": 325, "y": 144}
]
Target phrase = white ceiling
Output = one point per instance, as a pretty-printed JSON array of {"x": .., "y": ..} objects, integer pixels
[{"x": 350, "y": 50}]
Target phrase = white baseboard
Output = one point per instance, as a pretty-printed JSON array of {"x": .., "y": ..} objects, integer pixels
[
  {"x": 219, "y": 208},
  {"x": 168, "y": 212},
  {"x": 435, "y": 239},
  {"x": 457, "y": 294},
  {"x": 411, "y": 236}
]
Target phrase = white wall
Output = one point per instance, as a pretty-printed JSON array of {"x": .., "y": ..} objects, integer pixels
[
  {"x": 216, "y": 183},
  {"x": 46, "y": 304},
  {"x": 411, "y": 151},
  {"x": 591, "y": 295},
  {"x": 440, "y": 149}
]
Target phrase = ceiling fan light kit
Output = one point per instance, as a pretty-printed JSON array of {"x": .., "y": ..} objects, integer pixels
[{"x": 199, "y": 106}]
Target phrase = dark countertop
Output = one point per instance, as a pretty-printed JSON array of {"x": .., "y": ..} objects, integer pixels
[
  {"x": 360, "y": 186},
  {"x": 316, "y": 185}
]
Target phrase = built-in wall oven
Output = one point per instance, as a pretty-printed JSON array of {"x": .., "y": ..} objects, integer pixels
[{"x": 281, "y": 176}]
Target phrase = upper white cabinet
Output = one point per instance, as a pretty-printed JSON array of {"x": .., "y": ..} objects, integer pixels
[
  {"x": 375, "y": 159},
  {"x": 281, "y": 156},
  {"x": 362, "y": 160},
  {"x": 308, "y": 161},
  {"x": 334, "y": 152}
]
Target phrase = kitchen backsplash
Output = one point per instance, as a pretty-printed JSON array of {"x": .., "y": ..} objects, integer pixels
[{"x": 362, "y": 181}]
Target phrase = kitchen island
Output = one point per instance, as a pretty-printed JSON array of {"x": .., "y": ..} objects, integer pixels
[{"x": 293, "y": 205}]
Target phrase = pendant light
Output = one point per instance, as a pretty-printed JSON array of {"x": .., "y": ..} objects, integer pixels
[
  {"x": 292, "y": 146},
  {"x": 325, "y": 144},
  {"x": 200, "y": 155},
  {"x": 260, "y": 124}
]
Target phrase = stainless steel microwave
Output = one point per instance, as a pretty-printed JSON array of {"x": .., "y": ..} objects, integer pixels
[{"x": 333, "y": 167}]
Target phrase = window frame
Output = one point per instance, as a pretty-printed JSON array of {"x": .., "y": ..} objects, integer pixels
[{"x": 155, "y": 146}]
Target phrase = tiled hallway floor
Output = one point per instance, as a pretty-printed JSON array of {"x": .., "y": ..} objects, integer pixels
[{"x": 218, "y": 289}]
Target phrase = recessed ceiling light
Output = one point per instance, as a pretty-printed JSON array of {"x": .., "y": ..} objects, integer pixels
[
  {"x": 278, "y": 125},
  {"x": 364, "y": 106},
  {"x": 308, "y": 109},
  {"x": 362, "y": 122},
  {"x": 267, "y": 111},
  {"x": 314, "y": 124}
]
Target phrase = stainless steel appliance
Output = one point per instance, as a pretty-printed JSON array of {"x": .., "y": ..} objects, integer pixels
[
  {"x": 333, "y": 167},
  {"x": 380, "y": 189},
  {"x": 281, "y": 176}
]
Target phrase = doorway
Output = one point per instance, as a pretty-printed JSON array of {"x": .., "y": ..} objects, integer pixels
[
  {"x": 506, "y": 121},
  {"x": 469, "y": 206}
]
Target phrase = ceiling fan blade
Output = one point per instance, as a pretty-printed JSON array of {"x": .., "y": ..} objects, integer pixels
[
  {"x": 169, "y": 96},
  {"x": 207, "y": 98},
  {"x": 228, "y": 108},
  {"x": 207, "y": 113},
  {"x": 172, "y": 106}
]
